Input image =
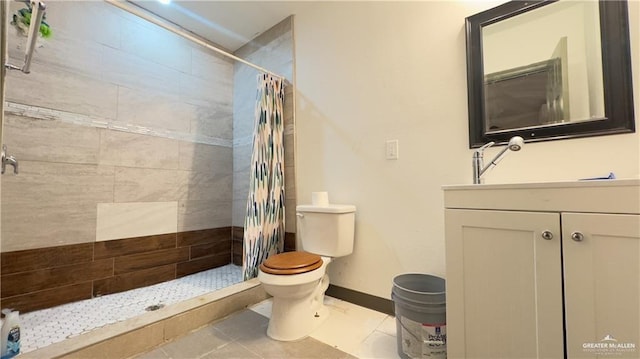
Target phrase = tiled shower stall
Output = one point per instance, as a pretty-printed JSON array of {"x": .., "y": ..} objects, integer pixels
[{"x": 134, "y": 148}]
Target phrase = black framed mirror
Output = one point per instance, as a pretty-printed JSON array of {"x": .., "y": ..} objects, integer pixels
[{"x": 547, "y": 70}]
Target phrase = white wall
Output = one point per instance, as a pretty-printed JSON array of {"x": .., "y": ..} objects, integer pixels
[{"x": 367, "y": 72}]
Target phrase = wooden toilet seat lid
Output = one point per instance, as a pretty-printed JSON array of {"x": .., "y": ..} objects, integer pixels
[{"x": 291, "y": 263}]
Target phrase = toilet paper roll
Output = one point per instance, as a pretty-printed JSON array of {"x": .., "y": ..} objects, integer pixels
[{"x": 320, "y": 198}]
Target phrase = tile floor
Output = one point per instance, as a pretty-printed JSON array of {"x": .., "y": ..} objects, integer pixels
[
  {"x": 350, "y": 331},
  {"x": 45, "y": 327}
]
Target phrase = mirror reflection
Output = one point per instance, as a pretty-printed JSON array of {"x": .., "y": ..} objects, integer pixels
[{"x": 543, "y": 67}]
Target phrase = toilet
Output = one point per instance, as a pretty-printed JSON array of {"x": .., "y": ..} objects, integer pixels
[{"x": 298, "y": 280}]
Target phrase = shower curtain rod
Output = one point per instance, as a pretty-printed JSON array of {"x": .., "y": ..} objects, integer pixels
[{"x": 169, "y": 26}]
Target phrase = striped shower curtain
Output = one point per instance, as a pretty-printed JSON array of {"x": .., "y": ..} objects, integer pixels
[{"x": 264, "y": 218}]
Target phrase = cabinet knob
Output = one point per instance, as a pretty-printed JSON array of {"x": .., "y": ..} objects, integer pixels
[
  {"x": 577, "y": 236},
  {"x": 547, "y": 235}
]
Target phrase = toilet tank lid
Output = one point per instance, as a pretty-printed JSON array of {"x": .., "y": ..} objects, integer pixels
[{"x": 330, "y": 208}]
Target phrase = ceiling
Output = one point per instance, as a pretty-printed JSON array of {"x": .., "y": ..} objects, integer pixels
[{"x": 229, "y": 24}]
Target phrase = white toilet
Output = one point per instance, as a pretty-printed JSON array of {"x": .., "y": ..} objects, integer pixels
[{"x": 297, "y": 280}]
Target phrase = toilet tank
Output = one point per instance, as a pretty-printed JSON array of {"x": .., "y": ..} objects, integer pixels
[{"x": 326, "y": 230}]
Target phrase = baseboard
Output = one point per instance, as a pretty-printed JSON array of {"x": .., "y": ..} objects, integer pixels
[{"x": 362, "y": 299}]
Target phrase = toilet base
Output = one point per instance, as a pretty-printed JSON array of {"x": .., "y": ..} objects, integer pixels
[
  {"x": 294, "y": 321},
  {"x": 295, "y": 318}
]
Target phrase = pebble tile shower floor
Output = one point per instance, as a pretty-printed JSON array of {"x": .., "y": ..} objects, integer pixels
[{"x": 45, "y": 327}]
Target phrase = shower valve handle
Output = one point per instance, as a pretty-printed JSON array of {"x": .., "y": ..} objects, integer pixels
[{"x": 8, "y": 160}]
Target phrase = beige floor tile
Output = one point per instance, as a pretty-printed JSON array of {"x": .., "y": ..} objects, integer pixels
[
  {"x": 154, "y": 354},
  {"x": 231, "y": 351},
  {"x": 263, "y": 307},
  {"x": 245, "y": 325},
  {"x": 388, "y": 326},
  {"x": 348, "y": 325},
  {"x": 196, "y": 344},
  {"x": 306, "y": 348},
  {"x": 378, "y": 345},
  {"x": 241, "y": 335},
  {"x": 302, "y": 349}
]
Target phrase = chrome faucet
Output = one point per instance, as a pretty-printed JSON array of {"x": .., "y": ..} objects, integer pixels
[
  {"x": 515, "y": 144},
  {"x": 10, "y": 160}
]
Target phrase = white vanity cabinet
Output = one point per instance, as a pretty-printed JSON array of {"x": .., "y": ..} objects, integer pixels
[{"x": 543, "y": 270}]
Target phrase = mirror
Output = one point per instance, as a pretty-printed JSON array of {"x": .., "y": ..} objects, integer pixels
[{"x": 546, "y": 70}]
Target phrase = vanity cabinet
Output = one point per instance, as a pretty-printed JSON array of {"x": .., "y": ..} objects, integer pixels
[{"x": 546, "y": 270}]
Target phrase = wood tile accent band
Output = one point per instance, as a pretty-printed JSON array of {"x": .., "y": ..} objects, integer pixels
[
  {"x": 237, "y": 239},
  {"x": 45, "y": 277}
]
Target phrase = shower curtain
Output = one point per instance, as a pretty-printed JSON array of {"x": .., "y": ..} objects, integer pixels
[{"x": 264, "y": 217}]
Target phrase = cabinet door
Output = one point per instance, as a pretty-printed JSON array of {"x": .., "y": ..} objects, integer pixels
[
  {"x": 504, "y": 287},
  {"x": 602, "y": 284}
]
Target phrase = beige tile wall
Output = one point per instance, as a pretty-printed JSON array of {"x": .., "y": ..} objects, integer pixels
[
  {"x": 101, "y": 75},
  {"x": 135, "y": 219}
]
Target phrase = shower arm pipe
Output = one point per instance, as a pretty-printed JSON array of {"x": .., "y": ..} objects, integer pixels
[
  {"x": 37, "y": 14},
  {"x": 180, "y": 31}
]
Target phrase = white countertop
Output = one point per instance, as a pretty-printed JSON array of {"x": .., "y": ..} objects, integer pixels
[
  {"x": 559, "y": 184},
  {"x": 595, "y": 196}
]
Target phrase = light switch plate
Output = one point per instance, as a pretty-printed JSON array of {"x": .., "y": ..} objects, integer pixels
[{"x": 392, "y": 149}]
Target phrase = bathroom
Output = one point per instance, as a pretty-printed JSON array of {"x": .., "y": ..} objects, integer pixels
[{"x": 368, "y": 72}]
